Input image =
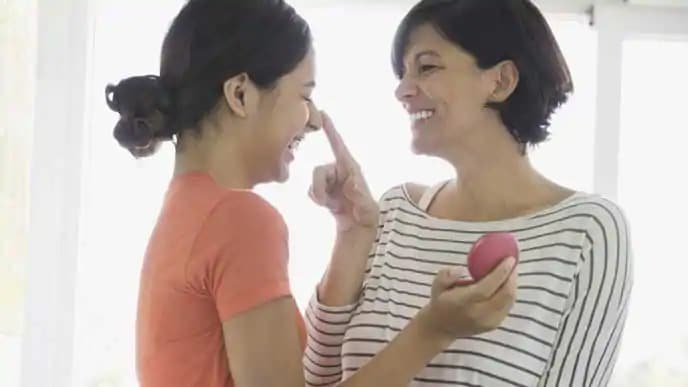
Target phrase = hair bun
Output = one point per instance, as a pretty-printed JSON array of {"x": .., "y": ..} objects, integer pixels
[{"x": 143, "y": 105}]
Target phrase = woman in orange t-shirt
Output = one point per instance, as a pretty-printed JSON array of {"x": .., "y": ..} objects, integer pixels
[{"x": 215, "y": 307}]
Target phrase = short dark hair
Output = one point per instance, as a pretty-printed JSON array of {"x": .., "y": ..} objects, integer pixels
[
  {"x": 493, "y": 31},
  {"x": 208, "y": 42}
]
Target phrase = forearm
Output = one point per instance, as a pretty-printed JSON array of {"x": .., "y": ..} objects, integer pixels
[
  {"x": 326, "y": 327},
  {"x": 343, "y": 279},
  {"x": 403, "y": 358}
]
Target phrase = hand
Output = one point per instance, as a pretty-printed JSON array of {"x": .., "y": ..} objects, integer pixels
[
  {"x": 461, "y": 311},
  {"x": 341, "y": 187}
]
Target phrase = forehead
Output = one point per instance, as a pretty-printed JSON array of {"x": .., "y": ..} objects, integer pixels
[
  {"x": 425, "y": 39},
  {"x": 304, "y": 72},
  {"x": 422, "y": 38}
]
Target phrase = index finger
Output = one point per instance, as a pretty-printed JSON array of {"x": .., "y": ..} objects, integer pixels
[{"x": 341, "y": 152}]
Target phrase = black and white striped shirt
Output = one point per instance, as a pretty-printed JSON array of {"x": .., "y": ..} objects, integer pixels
[{"x": 575, "y": 276}]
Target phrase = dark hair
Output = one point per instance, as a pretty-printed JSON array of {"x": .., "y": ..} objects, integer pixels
[
  {"x": 493, "y": 31},
  {"x": 208, "y": 42}
]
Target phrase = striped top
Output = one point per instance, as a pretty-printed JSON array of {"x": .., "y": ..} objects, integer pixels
[{"x": 575, "y": 276}]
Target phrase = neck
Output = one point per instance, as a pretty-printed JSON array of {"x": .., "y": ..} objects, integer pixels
[
  {"x": 491, "y": 171},
  {"x": 489, "y": 178},
  {"x": 225, "y": 163}
]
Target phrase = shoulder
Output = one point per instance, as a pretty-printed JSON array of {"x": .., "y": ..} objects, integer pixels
[
  {"x": 415, "y": 191},
  {"x": 245, "y": 212},
  {"x": 601, "y": 212},
  {"x": 586, "y": 211},
  {"x": 607, "y": 234},
  {"x": 412, "y": 191},
  {"x": 407, "y": 192}
]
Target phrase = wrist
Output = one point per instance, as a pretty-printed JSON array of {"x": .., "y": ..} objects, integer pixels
[
  {"x": 357, "y": 234},
  {"x": 431, "y": 331}
]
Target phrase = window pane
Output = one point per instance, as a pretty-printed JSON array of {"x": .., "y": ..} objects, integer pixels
[
  {"x": 653, "y": 191},
  {"x": 17, "y": 64},
  {"x": 568, "y": 156},
  {"x": 122, "y": 197}
]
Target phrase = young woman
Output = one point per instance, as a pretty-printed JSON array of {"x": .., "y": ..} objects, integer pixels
[
  {"x": 215, "y": 307},
  {"x": 480, "y": 80}
]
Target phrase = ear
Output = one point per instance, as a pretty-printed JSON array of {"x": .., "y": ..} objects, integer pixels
[
  {"x": 238, "y": 93},
  {"x": 505, "y": 78}
]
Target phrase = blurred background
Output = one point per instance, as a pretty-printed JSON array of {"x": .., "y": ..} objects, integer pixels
[{"x": 76, "y": 210}]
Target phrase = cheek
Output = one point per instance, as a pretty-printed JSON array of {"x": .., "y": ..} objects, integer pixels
[
  {"x": 294, "y": 117},
  {"x": 288, "y": 121},
  {"x": 465, "y": 100}
]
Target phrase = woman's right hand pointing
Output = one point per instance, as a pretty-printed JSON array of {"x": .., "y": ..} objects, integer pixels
[{"x": 341, "y": 187}]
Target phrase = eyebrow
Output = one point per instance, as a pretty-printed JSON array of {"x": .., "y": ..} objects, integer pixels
[
  {"x": 426, "y": 52},
  {"x": 310, "y": 84}
]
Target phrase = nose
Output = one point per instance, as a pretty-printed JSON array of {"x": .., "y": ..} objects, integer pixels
[
  {"x": 406, "y": 90},
  {"x": 314, "y": 122}
]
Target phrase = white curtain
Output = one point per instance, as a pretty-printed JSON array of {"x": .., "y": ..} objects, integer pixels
[{"x": 17, "y": 59}]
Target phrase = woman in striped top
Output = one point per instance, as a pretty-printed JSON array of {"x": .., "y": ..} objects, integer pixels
[{"x": 480, "y": 80}]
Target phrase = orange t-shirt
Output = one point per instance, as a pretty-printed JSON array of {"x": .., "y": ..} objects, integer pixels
[{"x": 214, "y": 254}]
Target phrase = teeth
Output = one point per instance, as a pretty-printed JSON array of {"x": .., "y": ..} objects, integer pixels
[
  {"x": 294, "y": 145},
  {"x": 421, "y": 115}
]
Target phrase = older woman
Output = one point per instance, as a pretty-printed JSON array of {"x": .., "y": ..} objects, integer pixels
[{"x": 480, "y": 80}]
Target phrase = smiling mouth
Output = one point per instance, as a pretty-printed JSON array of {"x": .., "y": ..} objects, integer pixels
[
  {"x": 295, "y": 142},
  {"x": 422, "y": 115}
]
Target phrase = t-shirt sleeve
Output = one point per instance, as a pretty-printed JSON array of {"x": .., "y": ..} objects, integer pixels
[
  {"x": 250, "y": 267},
  {"x": 589, "y": 339}
]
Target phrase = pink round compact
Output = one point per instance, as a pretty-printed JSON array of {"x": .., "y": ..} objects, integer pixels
[{"x": 489, "y": 251}]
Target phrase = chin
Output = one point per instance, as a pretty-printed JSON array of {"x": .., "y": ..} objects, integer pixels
[
  {"x": 281, "y": 179},
  {"x": 282, "y": 174}
]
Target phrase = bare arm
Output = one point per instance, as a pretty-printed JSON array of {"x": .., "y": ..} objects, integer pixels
[
  {"x": 263, "y": 346},
  {"x": 341, "y": 284}
]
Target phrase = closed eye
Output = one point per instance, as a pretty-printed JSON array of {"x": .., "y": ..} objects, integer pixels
[{"x": 426, "y": 68}]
